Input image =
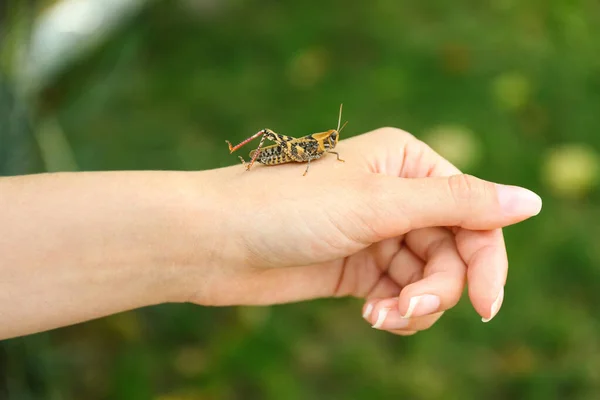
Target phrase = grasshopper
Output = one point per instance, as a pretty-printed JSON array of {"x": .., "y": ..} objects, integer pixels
[{"x": 288, "y": 149}]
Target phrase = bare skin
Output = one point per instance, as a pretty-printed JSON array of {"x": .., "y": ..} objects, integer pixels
[{"x": 395, "y": 224}]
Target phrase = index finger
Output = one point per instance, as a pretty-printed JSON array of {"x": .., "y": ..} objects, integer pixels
[{"x": 484, "y": 252}]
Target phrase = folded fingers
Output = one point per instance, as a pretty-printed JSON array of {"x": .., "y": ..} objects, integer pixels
[{"x": 443, "y": 278}]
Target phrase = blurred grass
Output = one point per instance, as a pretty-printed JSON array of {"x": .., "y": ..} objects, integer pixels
[{"x": 508, "y": 90}]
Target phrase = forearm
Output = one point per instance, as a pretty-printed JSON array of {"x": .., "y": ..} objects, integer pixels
[{"x": 79, "y": 246}]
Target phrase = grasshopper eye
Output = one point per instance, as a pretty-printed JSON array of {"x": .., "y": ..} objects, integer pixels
[{"x": 334, "y": 136}]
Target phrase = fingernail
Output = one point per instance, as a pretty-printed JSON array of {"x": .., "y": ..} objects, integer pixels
[
  {"x": 393, "y": 320},
  {"x": 422, "y": 305},
  {"x": 381, "y": 317},
  {"x": 368, "y": 311},
  {"x": 518, "y": 201},
  {"x": 495, "y": 306}
]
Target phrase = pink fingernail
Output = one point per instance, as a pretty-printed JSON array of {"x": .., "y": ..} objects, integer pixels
[
  {"x": 518, "y": 201},
  {"x": 495, "y": 306},
  {"x": 422, "y": 305},
  {"x": 368, "y": 311}
]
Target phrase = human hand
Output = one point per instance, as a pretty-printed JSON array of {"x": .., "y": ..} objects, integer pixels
[{"x": 395, "y": 224}]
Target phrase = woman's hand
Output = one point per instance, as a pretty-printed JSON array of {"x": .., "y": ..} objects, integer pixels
[{"x": 395, "y": 224}]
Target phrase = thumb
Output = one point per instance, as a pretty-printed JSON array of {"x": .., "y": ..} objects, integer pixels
[{"x": 459, "y": 200}]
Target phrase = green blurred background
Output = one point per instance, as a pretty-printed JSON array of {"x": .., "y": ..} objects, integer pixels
[{"x": 509, "y": 90}]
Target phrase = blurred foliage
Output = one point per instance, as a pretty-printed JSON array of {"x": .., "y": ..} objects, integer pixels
[
  {"x": 509, "y": 90},
  {"x": 19, "y": 153}
]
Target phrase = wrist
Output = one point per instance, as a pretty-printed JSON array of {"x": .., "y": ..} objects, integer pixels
[{"x": 194, "y": 245}]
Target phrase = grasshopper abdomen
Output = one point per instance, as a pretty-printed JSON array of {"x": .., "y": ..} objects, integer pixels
[{"x": 271, "y": 155}]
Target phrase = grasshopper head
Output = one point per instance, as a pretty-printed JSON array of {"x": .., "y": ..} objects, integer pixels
[
  {"x": 328, "y": 140},
  {"x": 333, "y": 135},
  {"x": 332, "y": 139}
]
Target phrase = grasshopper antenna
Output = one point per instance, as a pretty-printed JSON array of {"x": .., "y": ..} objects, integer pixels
[
  {"x": 339, "y": 131},
  {"x": 340, "y": 120}
]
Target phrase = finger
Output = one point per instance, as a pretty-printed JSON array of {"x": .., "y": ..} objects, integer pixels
[
  {"x": 386, "y": 316},
  {"x": 384, "y": 287},
  {"x": 405, "y": 268},
  {"x": 443, "y": 275},
  {"x": 396, "y": 206},
  {"x": 484, "y": 251},
  {"x": 485, "y": 255}
]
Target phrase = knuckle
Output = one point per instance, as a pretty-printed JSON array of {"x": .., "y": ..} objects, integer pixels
[
  {"x": 444, "y": 242},
  {"x": 389, "y": 131},
  {"x": 466, "y": 189}
]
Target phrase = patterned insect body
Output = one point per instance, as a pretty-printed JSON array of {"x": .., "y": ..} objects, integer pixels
[{"x": 288, "y": 149}]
